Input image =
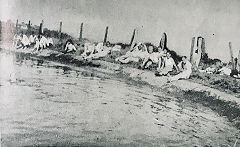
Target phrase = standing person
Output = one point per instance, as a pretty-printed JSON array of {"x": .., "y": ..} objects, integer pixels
[
  {"x": 169, "y": 63},
  {"x": 185, "y": 68}
]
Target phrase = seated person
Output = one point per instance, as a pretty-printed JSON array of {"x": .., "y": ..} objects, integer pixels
[
  {"x": 69, "y": 47},
  {"x": 116, "y": 48},
  {"x": 134, "y": 55},
  {"x": 212, "y": 69},
  {"x": 25, "y": 41},
  {"x": 152, "y": 58},
  {"x": 16, "y": 38},
  {"x": 185, "y": 68},
  {"x": 167, "y": 66},
  {"x": 88, "y": 50},
  {"x": 101, "y": 50},
  {"x": 49, "y": 41},
  {"x": 43, "y": 42},
  {"x": 225, "y": 70},
  {"x": 37, "y": 46},
  {"x": 17, "y": 41},
  {"x": 32, "y": 38}
]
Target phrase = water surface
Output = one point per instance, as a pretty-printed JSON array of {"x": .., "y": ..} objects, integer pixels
[{"x": 44, "y": 103}]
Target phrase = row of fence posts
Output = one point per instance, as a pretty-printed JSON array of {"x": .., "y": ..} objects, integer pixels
[
  {"x": 195, "y": 41},
  {"x": 132, "y": 41}
]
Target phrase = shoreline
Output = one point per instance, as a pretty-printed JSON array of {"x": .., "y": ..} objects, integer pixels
[{"x": 225, "y": 104}]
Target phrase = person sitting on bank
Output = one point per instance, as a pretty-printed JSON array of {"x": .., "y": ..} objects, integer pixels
[
  {"x": 185, "y": 68},
  {"x": 69, "y": 47},
  {"x": 101, "y": 50},
  {"x": 49, "y": 42},
  {"x": 32, "y": 39},
  {"x": 43, "y": 41},
  {"x": 225, "y": 70},
  {"x": 25, "y": 41},
  {"x": 17, "y": 41},
  {"x": 89, "y": 48},
  {"x": 167, "y": 66},
  {"x": 152, "y": 58},
  {"x": 134, "y": 55},
  {"x": 37, "y": 46}
]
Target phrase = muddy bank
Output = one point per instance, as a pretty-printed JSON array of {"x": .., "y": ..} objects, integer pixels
[{"x": 223, "y": 103}]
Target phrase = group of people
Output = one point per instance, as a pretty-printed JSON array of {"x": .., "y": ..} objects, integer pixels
[
  {"x": 92, "y": 50},
  {"x": 223, "y": 69},
  {"x": 140, "y": 53},
  {"x": 37, "y": 42},
  {"x": 161, "y": 59}
]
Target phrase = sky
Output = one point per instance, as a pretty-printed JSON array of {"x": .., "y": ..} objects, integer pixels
[{"x": 218, "y": 21}]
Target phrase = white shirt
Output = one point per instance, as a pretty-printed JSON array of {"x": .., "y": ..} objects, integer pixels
[
  {"x": 225, "y": 70},
  {"x": 99, "y": 47},
  {"x": 43, "y": 41},
  {"x": 32, "y": 38},
  {"x": 154, "y": 57},
  {"x": 169, "y": 62},
  {"x": 70, "y": 47},
  {"x": 187, "y": 66},
  {"x": 49, "y": 41},
  {"x": 25, "y": 40}
]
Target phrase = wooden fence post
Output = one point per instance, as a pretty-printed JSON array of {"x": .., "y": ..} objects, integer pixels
[
  {"x": 16, "y": 26},
  {"x": 239, "y": 61},
  {"x": 29, "y": 24},
  {"x": 42, "y": 26},
  {"x": 231, "y": 55},
  {"x": 203, "y": 47},
  {"x": 163, "y": 41},
  {"x": 81, "y": 31},
  {"x": 192, "y": 47},
  {"x": 133, "y": 36},
  {"x": 60, "y": 31},
  {"x": 0, "y": 28},
  {"x": 106, "y": 34},
  {"x": 40, "y": 29}
]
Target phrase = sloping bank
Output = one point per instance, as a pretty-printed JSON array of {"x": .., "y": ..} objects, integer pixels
[{"x": 224, "y": 104}]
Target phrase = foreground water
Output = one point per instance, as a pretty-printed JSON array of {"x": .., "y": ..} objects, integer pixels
[{"x": 44, "y": 103}]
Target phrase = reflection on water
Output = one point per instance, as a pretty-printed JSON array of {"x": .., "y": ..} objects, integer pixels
[{"x": 44, "y": 103}]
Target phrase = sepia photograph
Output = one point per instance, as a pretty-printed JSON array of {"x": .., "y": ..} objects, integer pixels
[{"x": 120, "y": 73}]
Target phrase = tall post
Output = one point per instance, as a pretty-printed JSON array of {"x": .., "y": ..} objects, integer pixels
[
  {"x": 198, "y": 51},
  {"x": 60, "y": 31},
  {"x": 105, "y": 36},
  {"x": 231, "y": 54},
  {"x": 192, "y": 47},
  {"x": 29, "y": 24},
  {"x": 81, "y": 31},
  {"x": 133, "y": 36},
  {"x": 239, "y": 61},
  {"x": 203, "y": 47},
  {"x": 163, "y": 41},
  {"x": 42, "y": 25},
  {"x": 40, "y": 29},
  {"x": 0, "y": 29},
  {"x": 17, "y": 25}
]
